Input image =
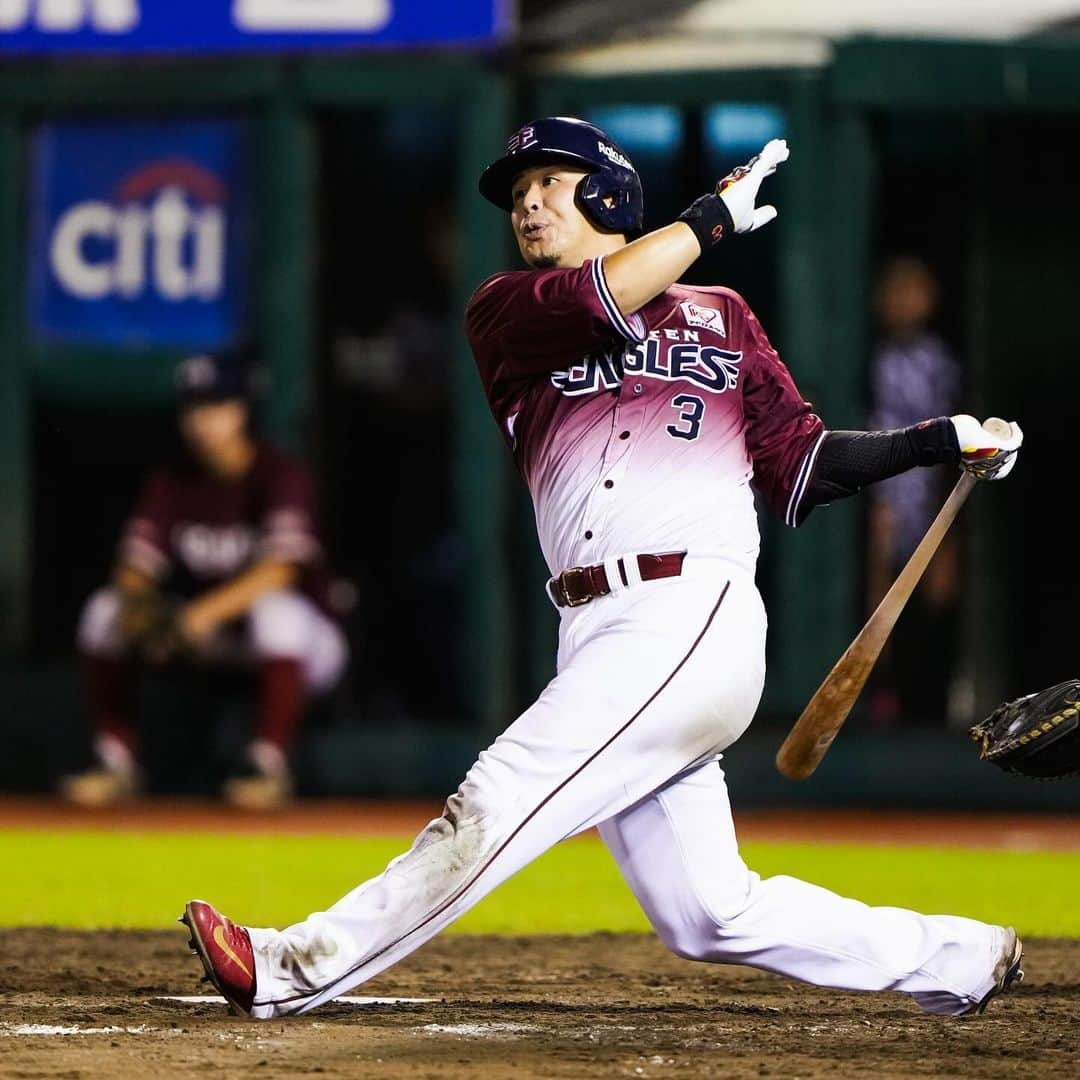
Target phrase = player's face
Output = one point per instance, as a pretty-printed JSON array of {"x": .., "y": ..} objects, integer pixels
[
  {"x": 907, "y": 298},
  {"x": 549, "y": 228},
  {"x": 213, "y": 428}
]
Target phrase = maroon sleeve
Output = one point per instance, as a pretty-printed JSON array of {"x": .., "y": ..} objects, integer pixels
[
  {"x": 144, "y": 544},
  {"x": 287, "y": 530},
  {"x": 783, "y": 433},
  {"x": 526, "y": 322}
]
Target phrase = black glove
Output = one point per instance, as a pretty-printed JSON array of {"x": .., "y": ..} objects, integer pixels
[{"x": 1037, "y": 735}]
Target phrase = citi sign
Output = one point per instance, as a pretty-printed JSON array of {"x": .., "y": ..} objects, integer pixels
[
  {"x": 139, "y": 232},
  {"x": 163, "y": 232}
]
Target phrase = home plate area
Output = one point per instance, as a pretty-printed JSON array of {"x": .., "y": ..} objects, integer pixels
[{"x": 111, "y": 1003}]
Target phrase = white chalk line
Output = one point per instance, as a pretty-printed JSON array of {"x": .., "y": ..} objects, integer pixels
[
  {"x": 73, "y": 1029},
  {"x": 63, "y": 1030},
  {"x": 216, "y": 999},
  {"x": 496, "y": 1030}
]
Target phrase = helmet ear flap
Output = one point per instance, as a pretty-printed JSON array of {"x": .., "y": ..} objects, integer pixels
[
  {"x": 590, "y": 199},
  {"x": 610, "y": 205}
]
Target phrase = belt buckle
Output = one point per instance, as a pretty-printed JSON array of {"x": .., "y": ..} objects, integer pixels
[{"x": 562, "y": 580}]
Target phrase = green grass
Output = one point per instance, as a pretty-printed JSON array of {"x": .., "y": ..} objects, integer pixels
[{"x": 84, "y": 879}]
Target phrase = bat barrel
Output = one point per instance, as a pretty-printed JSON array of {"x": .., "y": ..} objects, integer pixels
[{"x": 821, "y": 720}]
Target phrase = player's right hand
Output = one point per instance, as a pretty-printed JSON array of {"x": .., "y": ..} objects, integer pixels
[
  {"x": 739, "y": 189},
  {"x": 986, "y": 455}
]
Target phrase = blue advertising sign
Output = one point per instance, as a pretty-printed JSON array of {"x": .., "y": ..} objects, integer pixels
[
  {"x": 221, "y": 26},
  {"x": 138, "y": 233}
]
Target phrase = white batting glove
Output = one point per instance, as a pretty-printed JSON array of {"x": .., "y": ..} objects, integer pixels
[
  {"x": 739, "y": 189},
  {"x": 988, "y": 456}
]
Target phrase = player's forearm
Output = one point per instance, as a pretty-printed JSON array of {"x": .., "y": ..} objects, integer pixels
[
  {"x": 849, "y": 460},
  {"x": 645, "y": 268},
  {"x": 235, "y": 597}
]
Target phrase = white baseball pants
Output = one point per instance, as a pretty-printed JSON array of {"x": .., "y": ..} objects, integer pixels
[
  {"x": 281, "y": 623},
  {"x": 654, "y": 680}
]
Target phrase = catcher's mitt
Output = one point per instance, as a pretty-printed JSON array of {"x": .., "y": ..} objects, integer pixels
[
  {"x": 1037, "y": 735},
  {"x": 148, "y": 623}
]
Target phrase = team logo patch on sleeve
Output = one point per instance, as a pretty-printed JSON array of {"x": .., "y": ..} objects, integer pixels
[{"x": 709, "y": 318}]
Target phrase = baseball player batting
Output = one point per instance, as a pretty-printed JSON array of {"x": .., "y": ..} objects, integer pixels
[{"x": 638, "y": 411}]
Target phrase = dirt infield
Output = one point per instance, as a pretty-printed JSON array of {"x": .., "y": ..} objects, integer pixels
[
  {"x": 91, "y": 1005},
  {"x": 96, "y": 1004},
  {"x": 1021, "y": 832}
]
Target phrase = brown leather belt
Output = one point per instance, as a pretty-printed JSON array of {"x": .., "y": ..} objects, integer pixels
[{"x": 580, "y": 584}]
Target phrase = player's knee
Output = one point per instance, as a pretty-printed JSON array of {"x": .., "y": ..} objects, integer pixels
[
  {"x": 450, "y": 848},
  {"x": 279, "y": 624},
  {"x": 98, "y": 632},
  {"x": 327, "y": 658},
  {"x": 697, "y": 935},
  {"x": 699, "y": 929},
  {"x": 683, "y": 938}
]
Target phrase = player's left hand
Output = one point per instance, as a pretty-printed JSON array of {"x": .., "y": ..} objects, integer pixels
[
  {"x": 985, "y": 455},
  {"x": 148, "y": 623},
  {"x": 739, "y": 189}
]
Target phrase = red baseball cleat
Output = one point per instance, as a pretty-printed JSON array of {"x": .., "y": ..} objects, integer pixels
[{"x": 225, "y": 951}]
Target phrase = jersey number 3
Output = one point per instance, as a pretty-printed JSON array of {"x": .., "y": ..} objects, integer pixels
[{"x": 692, "y": 409}]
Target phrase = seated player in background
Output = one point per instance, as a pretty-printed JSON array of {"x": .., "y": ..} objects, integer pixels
[{"x": 221, "y": 564}]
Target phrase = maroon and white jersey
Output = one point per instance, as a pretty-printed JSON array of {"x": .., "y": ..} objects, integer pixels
[
  {"x": 196, "y": 530},
  {"x": 640, "y": 434}
]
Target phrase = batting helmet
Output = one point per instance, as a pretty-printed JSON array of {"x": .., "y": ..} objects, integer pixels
[
  {"x": 210, "y": 376},
  {"x": 610, "y": 196}
]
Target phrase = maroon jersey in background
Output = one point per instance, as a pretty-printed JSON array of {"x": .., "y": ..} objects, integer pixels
[{"x": 192, "y": 530}]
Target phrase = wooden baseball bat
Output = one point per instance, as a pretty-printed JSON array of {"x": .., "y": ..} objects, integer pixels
[{"x": 825, "y": 713}]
